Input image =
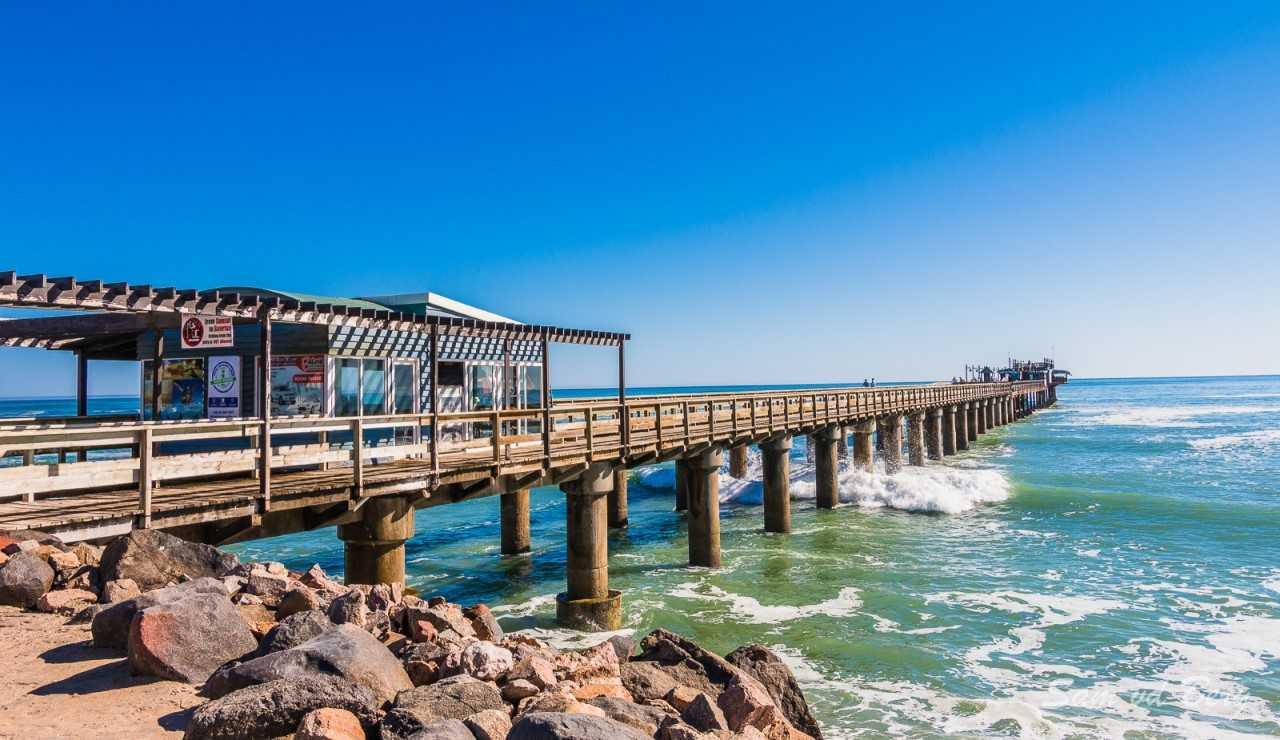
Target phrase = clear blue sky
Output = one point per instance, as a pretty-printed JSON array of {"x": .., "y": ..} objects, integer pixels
[{"x": 757, "y": 193}]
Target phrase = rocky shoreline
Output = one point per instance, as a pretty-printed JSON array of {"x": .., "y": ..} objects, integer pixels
[{"x": 287, "y": 654}]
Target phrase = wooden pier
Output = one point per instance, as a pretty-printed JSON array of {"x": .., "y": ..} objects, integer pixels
[{"x": 228, "y": 480}]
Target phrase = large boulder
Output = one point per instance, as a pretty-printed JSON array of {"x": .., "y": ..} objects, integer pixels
[
  {"x": 644, "y": 718},
  {"x": 24, "y": 579},
  {"x": 491, "y": 724},
  {"x": 484, "y": 623},
  {"x": 329, "y": 724},
  {"x": 276, "y": 708},
  {"x": 187, "y": 639},
  {"x": 15, "y": 536},
  {"x": 445, "y": 729},
  {"x": 560, "y": 726},
  {"x": 294, "y": 630},
  {"x": 153, "y": 559},
  {"x": 66, "y": 602},
  {"x": 111, "y": 625},
  {"x": 457, "y": 697},
  {"x": 780, "y": 682},
  {"x": 345, "y": 650}
]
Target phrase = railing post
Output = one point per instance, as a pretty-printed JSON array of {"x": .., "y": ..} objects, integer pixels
[
  {"x": 657, "y": 426},
  {"x": 496, "y": 422},
  {"x": 145, "y": 474},
  {"x": 357, "y": 457},
  {"x": 591, "y": 434},
  {"x": 684, "y": 409},
  {"x": 711, "y": 420}
]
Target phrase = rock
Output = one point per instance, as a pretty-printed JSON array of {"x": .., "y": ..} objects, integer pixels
[
  {"x": 674, "y": 729},
  {"x": 445, "y": 729},
  {"x": 267, "y": 586},
  {"x": 346, "y": 651},
  {"x": 555, "y": 701},
  {"x": 646, "y": 680},
  {"x": 298, "y": 599},
  {"x": 604, "y": 687},
  {"x": 748, "y": 704},
  {"x": 383, "y": 596},
  {"x": 519, "y": 689},
  {"x": 276, "y": 708},
  {"x": 259, "y": 618},
  {"x": 294, "y": 630},
  {"x": 778, "y": 680},
  {"x": 187, "y": 639},
  {"x": 235, "y": 584},
  {"x": 14, "y": 548},
  {"x": 486, "y": 661},
  {"x": 484, "y": 623},
  {"x": 66, "y": 602},
  {"x": 85, "y": 579},
  {"x": 120, "y": 590},
  {"x": 702, "y": 714},
  {"x": 491, "y": 724},
  {"x": 248, "y": 599},
  {"x": 4, "y": 558},
  {"x": 24, "y": 579},
  {"x": 429, "y": 662},
  {"x": 644, "y": 718},
  {"x": 535, "y": 669},
  {"x": 111, "y": 625},
  {"x": 457, "y": 698},
  {"x": 559, "y": 726},
  {"x": 350, "y": 609},
  {"x": 681, "y": 697},
  {"x": 275, "y": 568},
  {"x": 623, "y": 646},
  {"x": 88, "y": 554},
  {"x": 444, "y": 616},
  {"x": 315, "y": 578},
  {"x": 590, "y": 665},
  {"x": 423, "y": 631},
  {"x": 329, "y": 723},
  {"x": 16, "y": 536},
  {"x": 670, "y": 649},
  {"x": 64, "y": 564},
  {"x": 153, "y": 559}
]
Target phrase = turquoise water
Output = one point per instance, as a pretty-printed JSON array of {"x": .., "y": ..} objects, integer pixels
[{"x": 1109, "y": 567}]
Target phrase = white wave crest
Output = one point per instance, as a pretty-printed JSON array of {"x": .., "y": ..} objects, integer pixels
[
  {"x": 1185, "y": 417},
  {"x": 750, "y": 610},
  {"x": 1259, "y": 439}
]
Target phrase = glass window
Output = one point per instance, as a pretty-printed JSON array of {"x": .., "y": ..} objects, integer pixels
[
  {"x": 402, "y": 387},
  {"x": 483, "y": 379},
  {"x": 374, "y": 387},
  {"x": 533, "y": 387},
  {"x": 347, "y": 401}
]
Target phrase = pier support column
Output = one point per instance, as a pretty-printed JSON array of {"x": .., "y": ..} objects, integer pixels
[
  {"x": 962, "y": 426},
  {"x": 704, "y": 508},
  {"x": 997, "y": 416},
  {"x": 515, "y": 522},
  {"x": 374, "y": 546},
  {"x": 810, "y": 443},
  {"x": 915, "y": 439},
  {"x": 618, "y": 499},
  {"x": 971, "y": 421},
  {"x": 891, "y": 432},
  {"x": 827, "y": 466},
  {"x": 949, "y": 431},
  {"x": 980, "y": 417},
  {"x": 842, "y": 442},
  {"x": 934, "y": 440},
  {"x": 738, "y": 461},
  {"x": 990, "y": 406},
  {"x": 776, "y": 454},
  {"x": 682, "y": 484},
  {"x": 863, "y": 445},
  {"x": 588, "y": 604},
  {"x": 1010, "y": 412}
]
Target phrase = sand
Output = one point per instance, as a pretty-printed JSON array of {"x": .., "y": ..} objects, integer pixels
[{"x": 55, "y": 684}]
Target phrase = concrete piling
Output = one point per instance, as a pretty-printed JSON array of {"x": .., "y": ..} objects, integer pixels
[
  {"x": 949, "y": 431},
  {"x": 915, "y": 439},
  {"x": 704, "y": 508},
  {"x": 618, "y": 499},
  {"x": 933, "y": 434},
  {"x": 962, "y": 426},
  {"x": 891, "y": 432},
  {"x": 374, "y": 545},
  {"x": 682, "y": 485},
  {"x": 738, "y": 461},
  {"x": 776, "y": 454},
  {"x": 588, "y": 604},
  {"x": 515, "y": 522},
  {"x": 863, "y": 444},
  {"x": 826, "y": 467}
]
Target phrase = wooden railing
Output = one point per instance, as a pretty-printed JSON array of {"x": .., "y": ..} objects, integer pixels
[{"x": 117, "y": 454}]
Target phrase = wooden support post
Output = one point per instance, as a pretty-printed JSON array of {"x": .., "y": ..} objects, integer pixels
[
  {"x": 435, "y": 399},
  {"x": 704, "y": 508},
  {"x": 587, "y": 603},
  {"x": 934, "y": 439},
  {"x": 738, "y": 461},
  {"x": 357, "y": 458},
  {"x": 776, "y": 455},
  {"x": 145, "y": 474},
  {"x": 82, "y": 383},
  {"x": 264, "y": 411},
  {"x": 157, "y": 363},
  {"x": 826, "y": 468},
  {"x": 546, "y": 400},
  {"x": 618, "y": 499},
  {"x": 624, "y": 417},
  {"x": 515, "y": 522},
  {"x": 863, "y": 445}
]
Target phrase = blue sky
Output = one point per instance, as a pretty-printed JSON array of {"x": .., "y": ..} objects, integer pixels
[{"x": 757, "y": 193}]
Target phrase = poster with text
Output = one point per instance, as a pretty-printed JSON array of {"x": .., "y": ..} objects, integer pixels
[
  {"x": 182, "y": 389},
  {"x": 297, "y": 385},
  {"x": 224, "y": 387}
]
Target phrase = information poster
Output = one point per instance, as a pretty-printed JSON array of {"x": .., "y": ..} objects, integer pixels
[
  {"x": 297, "y": 385},
  {"x": 224, "y": 387},
  {"x": 182, "y": 389}
]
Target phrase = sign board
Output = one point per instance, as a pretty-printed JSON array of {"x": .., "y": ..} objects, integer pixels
[
  {"x": 297, "y": 385},
  {"x": 224, "y": 387},
  {"x": 199, "y": 332}
]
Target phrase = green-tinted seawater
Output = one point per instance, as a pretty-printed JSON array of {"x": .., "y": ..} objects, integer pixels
[{"x": 1106, "y": 568}]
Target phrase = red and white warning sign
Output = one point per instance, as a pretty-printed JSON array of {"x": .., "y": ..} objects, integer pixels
[{"x": 199, "y": 332}]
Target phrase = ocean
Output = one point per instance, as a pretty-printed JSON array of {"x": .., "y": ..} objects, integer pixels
[{"x": 1109, "y": 567}]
